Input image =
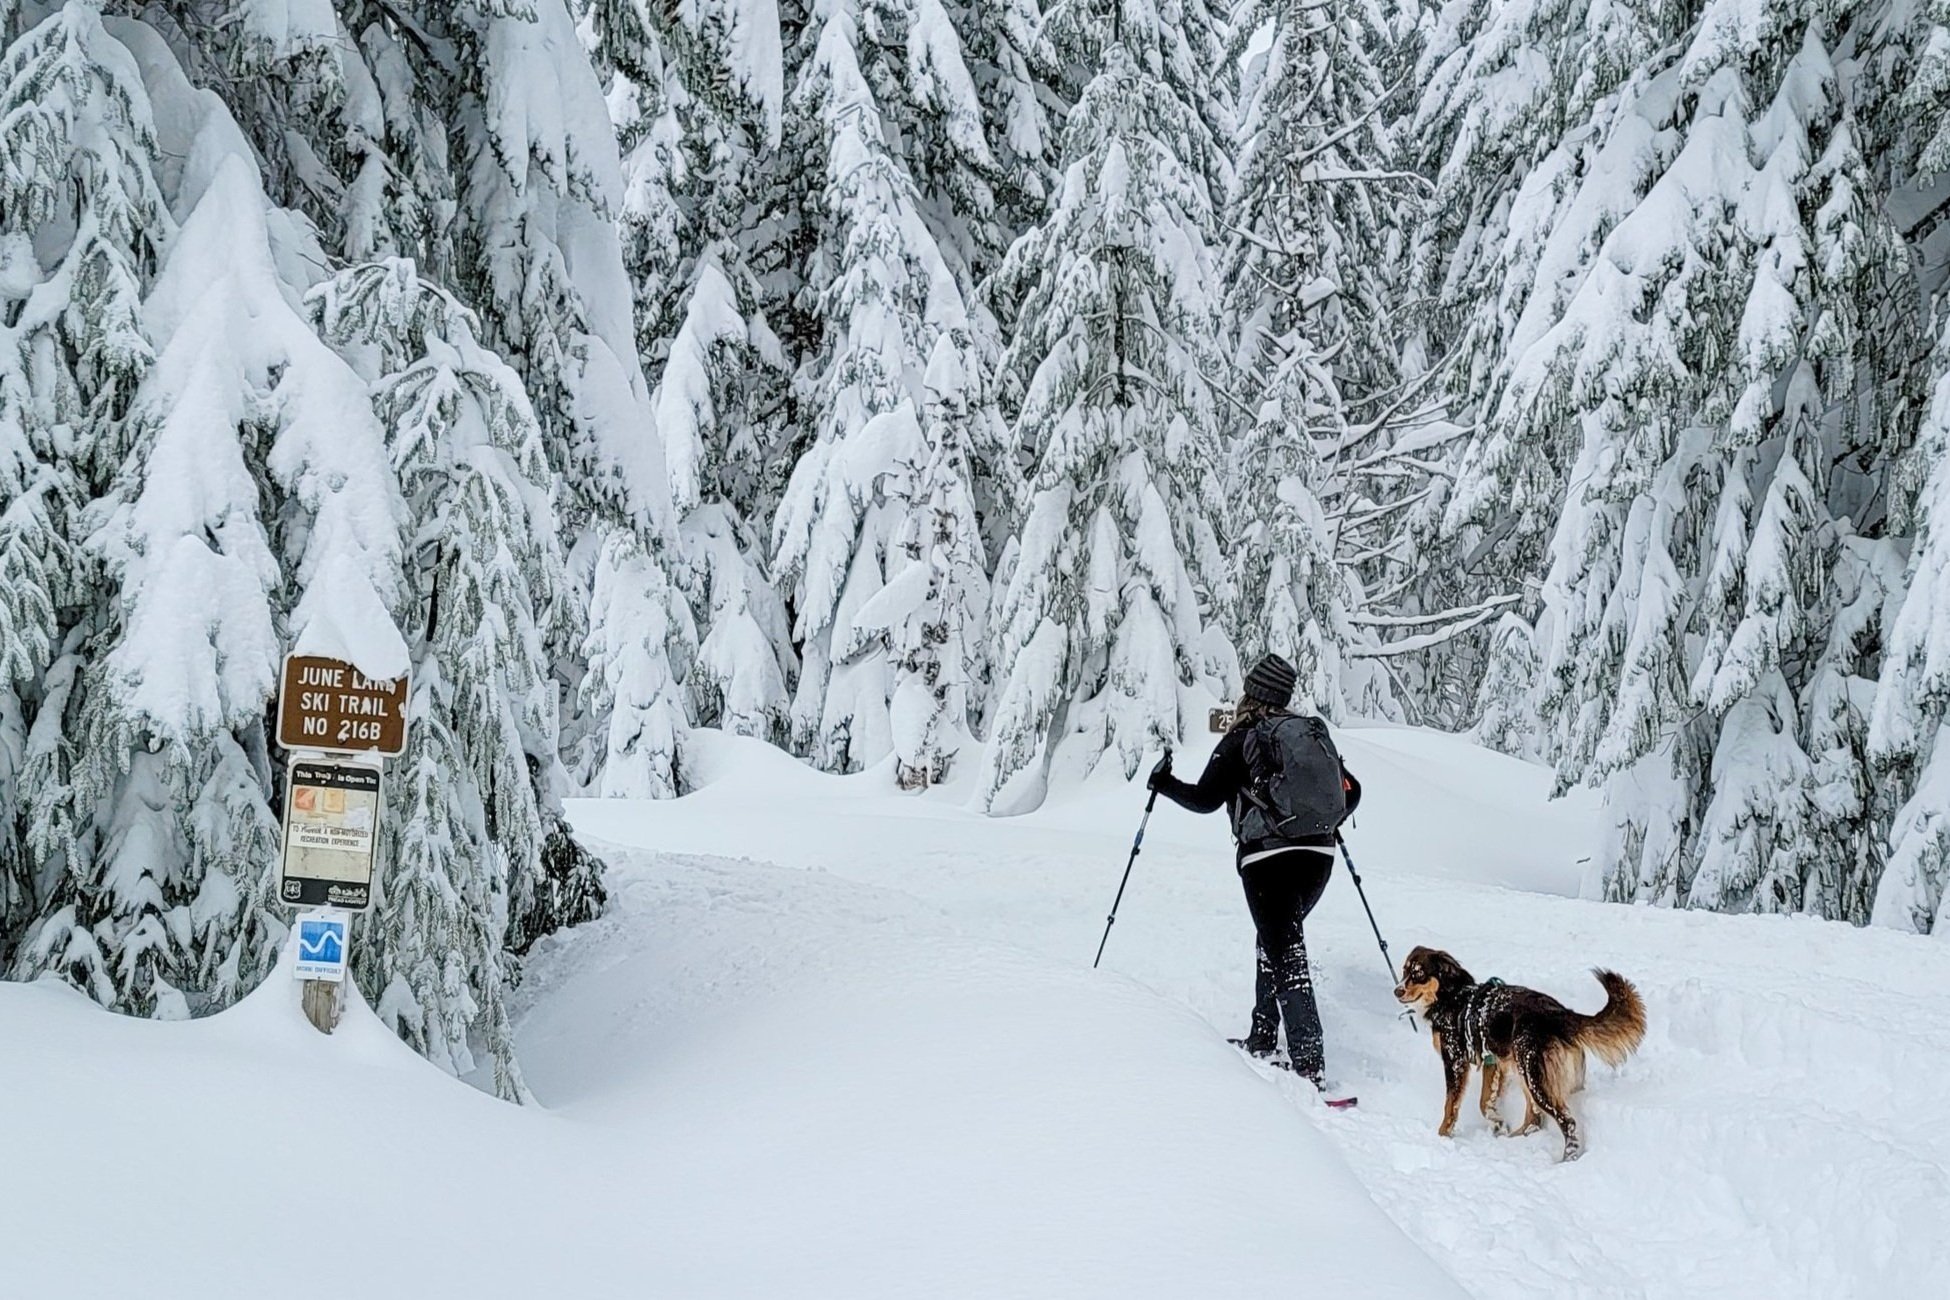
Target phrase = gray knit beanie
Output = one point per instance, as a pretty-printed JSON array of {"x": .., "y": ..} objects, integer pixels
[{"x": 1271, "y": 681}]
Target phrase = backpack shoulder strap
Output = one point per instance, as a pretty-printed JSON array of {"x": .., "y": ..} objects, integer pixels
[{"x": 1254, "y": 740}]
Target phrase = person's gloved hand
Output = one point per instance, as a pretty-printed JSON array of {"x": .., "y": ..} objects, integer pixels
[{"x": 1159, "y": 773}]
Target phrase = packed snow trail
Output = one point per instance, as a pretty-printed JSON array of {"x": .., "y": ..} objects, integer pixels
[
  {"x": 1773, "y": 1137},
  {"x": 1777, "y": 1136}
]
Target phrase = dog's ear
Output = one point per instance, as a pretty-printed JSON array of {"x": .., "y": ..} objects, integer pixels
[{"x": 1445, "y": 969}]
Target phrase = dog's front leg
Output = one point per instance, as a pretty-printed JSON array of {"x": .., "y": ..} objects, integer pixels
[{"x": 1457, "y": 1074}]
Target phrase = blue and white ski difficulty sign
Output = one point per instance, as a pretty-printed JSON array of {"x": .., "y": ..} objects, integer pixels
[{"x": 321, "y": 940}]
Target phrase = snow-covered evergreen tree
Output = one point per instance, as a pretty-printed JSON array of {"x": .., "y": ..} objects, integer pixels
[
  {"x": 697, "y": 94},
  {"x": 473, "y": 138},
  {"x": 33, "y": 560},
  {"x": 1703, "y": 332},
  {"x": 1318, "y": 218},
  {"x": 84, "y": 218},
  {"x": 887, "y": 291},
  {"x": 933, "y": 609},
  {"x": 486, "y": 581},
  {"x": 1910, "y": 765},
  {"x": 1105, "y": 619},
  {"x": 1507, "y": 707},
  {"x": 242, "y": 404},
  {"x": 1513, "y": 101},
  {"x": 81, "y": 219},
  {"x": 1910, "y": 732},
  {"x": 1010, "y": 63},
  {"x": 539, "y": 258},
  {"x": 211, "y": 478},
  {"x": 1293, "y": 593},
  {"x": 1516, "y": 100}
]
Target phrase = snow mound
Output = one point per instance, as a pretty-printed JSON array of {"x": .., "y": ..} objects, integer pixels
[
  {"x": 757, "y": 1082},
  {"x": 199, "y": 1158},
  {"x": 884, "y": 1108}
]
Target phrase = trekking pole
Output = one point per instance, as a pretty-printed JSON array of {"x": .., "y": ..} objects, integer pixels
[
  {"x": 1136, "y": 845},
  {"x": 1372, "y": 924}
]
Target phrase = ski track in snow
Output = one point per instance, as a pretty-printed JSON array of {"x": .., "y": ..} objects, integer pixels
[{"x": 1777, "y": 1136}]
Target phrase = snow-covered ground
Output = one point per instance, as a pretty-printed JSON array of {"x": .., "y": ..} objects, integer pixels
[{"x": 834, "y": 1041}]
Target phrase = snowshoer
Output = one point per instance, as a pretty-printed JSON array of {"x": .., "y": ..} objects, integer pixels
[{"x": 1279, "y": 776}]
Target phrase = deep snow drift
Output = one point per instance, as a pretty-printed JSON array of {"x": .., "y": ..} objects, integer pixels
[{"x": 871, "y": 1059}]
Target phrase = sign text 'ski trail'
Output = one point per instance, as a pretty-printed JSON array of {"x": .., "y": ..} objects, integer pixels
[{"x": 328, "y": 704}]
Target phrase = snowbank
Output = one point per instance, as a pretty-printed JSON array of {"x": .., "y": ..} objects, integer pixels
[
  {"x": 884, "y": 1108},
  {"x": 214, "y": 1157},
  {"x": 762, "y": 1083}
]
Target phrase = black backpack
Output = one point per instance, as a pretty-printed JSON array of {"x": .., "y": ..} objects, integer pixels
[{"x": 1295, "y": 783}]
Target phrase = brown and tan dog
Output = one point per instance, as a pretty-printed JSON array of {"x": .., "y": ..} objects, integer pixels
[{"x": 1511, "y": 1030}]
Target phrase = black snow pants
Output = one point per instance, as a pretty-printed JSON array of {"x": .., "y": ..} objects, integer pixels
[{"x": 1280, "y": 891}]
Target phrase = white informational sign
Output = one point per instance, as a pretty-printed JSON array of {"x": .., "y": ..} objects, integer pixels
[
  {"x": 331, "y": 832},
  {"x": 322, "y": 939}
]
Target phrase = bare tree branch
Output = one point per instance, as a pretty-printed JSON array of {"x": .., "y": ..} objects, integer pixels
[
  {"x": 1429, "y": 640},
  {"x": 1490, "y": 606}
]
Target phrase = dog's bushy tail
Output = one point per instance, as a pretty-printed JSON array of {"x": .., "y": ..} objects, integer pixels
[{"x": 1619, "y": 1027}]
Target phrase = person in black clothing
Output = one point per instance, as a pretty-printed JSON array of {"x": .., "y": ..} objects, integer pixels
[{"x": 1283, "y": 877}]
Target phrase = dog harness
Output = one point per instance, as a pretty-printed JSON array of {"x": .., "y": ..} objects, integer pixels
[{"x": 1489, "y": 1057}]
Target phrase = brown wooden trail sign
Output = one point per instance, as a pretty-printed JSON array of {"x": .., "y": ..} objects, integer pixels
[{"x": 328, "y": 704}]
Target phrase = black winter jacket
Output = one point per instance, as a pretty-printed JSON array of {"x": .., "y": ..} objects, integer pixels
[{"x": 1223, "y": 784}]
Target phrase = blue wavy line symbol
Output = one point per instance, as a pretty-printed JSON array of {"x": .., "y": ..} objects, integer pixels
[{"x": 321, "y": 941}]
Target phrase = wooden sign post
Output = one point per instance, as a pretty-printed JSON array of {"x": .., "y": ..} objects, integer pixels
[
  {"x": 339, "y": 723},
  {"x": 321, "y": 939}
]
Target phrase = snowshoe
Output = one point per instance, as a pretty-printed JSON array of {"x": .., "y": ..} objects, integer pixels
[{"x": 1332, "y": 1096}]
